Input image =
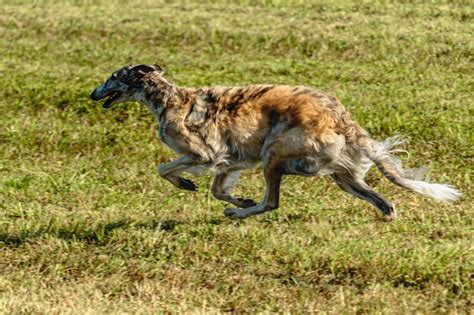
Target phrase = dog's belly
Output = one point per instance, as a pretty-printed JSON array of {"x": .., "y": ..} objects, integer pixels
[
  {"x": 309, "y": 166},
  {"x": 233, "y": 154},
  {"x": 228, "y": 166}
]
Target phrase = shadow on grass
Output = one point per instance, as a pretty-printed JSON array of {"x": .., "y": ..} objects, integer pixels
[
  {"x": 97, "y": 235},
  {"x": 100, "y": 233}
]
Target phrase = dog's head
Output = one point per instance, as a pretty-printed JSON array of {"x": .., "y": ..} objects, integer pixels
[{"x": 124, "y": 85}]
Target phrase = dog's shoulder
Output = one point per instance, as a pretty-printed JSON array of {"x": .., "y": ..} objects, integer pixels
[{"x": 203, "y": 105}]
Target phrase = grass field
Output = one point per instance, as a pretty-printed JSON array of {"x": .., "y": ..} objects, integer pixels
[{"x": 87, "y": 226}]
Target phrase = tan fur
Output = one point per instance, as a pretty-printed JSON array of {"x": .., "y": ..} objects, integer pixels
[{"x": 290, "y": 130}]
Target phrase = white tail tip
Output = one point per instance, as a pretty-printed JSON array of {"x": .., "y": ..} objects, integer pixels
[{"x": 436, "y": 191}]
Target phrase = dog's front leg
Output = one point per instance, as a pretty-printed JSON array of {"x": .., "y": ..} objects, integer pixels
[
  {"x": 221, "y": 186},
  {"x": 273, "y": 171},
  {"x": 171, "y": 171}
]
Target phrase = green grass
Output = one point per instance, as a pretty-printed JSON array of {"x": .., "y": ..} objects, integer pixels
[{"x": 87, "y": 226}]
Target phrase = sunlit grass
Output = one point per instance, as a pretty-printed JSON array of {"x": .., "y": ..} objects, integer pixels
[{"x": 86, "y": 225}]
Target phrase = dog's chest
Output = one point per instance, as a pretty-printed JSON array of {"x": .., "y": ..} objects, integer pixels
[
  {"x": 162, "y": 134},
  {"x": 167, "y": 137},
  {"x": 173, "y": 136}
]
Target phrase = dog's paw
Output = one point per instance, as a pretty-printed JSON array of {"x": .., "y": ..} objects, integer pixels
[
  {"x": 391, "y": 216},
  {"x": 186, "y": 184},
  {"x": 234, "y": 213},
  {"x": 245, "y": 203}
]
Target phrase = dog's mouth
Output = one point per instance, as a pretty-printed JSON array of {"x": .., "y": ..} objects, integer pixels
[{"x": 112, "y": 97}]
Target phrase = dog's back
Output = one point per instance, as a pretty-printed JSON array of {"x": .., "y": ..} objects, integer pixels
[{"x": 251, "y": 113}]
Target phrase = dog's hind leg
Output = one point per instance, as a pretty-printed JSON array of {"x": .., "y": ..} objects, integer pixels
[
  {"x": 356, "y": 186},
  {"x": 221, "y": 186}
]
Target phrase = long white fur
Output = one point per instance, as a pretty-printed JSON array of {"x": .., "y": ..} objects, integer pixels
[
  {"x": 412, "y": 178},
  {"x": 437, "y": 191}
]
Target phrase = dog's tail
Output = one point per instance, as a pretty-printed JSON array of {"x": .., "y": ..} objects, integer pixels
[{"x": 391, "y": 167}]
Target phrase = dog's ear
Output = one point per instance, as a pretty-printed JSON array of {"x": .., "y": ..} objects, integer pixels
[
  {"x": 158, "y": 68},
  {"x": 142, "y": 70}
]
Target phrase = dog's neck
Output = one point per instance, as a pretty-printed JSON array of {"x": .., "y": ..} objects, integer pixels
[{"x": 160, "y": 95}]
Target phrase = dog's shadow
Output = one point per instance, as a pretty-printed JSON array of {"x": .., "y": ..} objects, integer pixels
[{"x": 98, "y": 235}]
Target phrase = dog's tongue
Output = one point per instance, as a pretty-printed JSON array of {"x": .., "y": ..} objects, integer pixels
[{"x": 106, "y": 104}]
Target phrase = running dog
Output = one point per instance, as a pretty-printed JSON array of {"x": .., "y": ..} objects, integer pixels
[{"x": 291, "y": 130}]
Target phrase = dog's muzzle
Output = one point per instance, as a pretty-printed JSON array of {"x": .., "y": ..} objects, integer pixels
[
  {"x": 101, "y": 93},
  {"x": 95, "y": 96}
]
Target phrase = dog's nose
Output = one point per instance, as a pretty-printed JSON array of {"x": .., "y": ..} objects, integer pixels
[{"x": 93, "y": 96}]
